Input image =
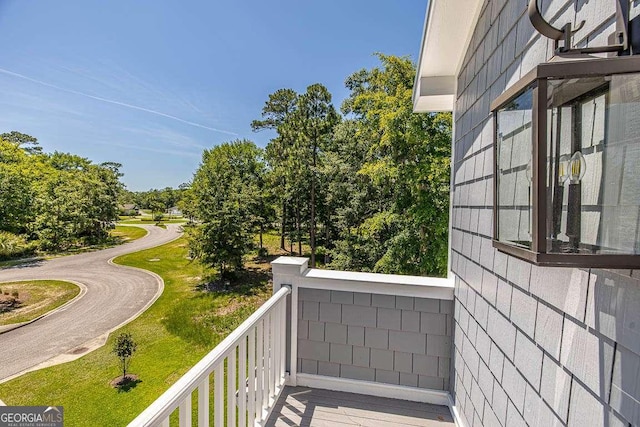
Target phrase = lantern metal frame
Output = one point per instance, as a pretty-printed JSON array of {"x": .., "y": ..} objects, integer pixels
[{"x": 538, "y": 81}]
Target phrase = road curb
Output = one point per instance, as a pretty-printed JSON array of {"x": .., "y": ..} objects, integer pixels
[{"x": 83, "y": 291}]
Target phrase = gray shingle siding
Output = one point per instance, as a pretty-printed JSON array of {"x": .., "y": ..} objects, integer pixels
[
  {"x": 532, "y": 345},
  {"x": 372, "y": 337}
]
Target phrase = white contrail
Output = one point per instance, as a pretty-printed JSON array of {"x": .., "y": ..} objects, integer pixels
[{"x": 111, "y": 101}]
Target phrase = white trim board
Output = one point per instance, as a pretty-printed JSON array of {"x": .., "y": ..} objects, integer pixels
[
  {"x": 434, "y": 397},
  {"x": 457, "y": 418},
  {"x": 408, "y": 286}
]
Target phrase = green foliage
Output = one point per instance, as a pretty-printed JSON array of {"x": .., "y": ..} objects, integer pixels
[
  {"x": 26, "y": 142},
  {"x": 58, "y": 199},
  {"x": 371, "y": 189},
  {"x": 227, "y": 198},
  {"x": 14, "y": 246},
  {"x": 408, "y": 160},
  {"x": 124, "y": 347}
]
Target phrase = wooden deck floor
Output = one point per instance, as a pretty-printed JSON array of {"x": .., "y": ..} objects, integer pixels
[{"x": 302, "y": 406}]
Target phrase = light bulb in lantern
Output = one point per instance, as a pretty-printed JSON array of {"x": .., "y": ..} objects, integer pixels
[
  {"x": 577, "y": 167},
  {"x": 563, "y": 168}
]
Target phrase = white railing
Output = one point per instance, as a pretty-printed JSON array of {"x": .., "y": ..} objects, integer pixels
[{"x": 247, "y": 370}]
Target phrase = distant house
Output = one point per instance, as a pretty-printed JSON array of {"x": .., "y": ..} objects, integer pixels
[
  {"x": 129, "y": 209},
  {"x": 173, "y": 211}
]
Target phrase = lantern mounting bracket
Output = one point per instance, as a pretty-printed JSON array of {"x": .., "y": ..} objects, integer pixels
[{"x": 621, "y": 36}]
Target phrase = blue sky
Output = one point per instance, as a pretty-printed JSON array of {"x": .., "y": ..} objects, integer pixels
[{"x": 151, "y": 83}]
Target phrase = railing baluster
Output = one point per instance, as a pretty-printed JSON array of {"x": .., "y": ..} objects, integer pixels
[
  {"x": 165, "y": 423},
  {"x": 231, "y": 388},
  {"x": 275, "y": 326},
  {"x": 260, "y": 374},
  {"x": 265, "y": 360},
  {"x": 283, "y": 334},
  {"x": 218, "y": 396},
  {"x": 203, "y": 403},
  {"x": 272, "y": 364},
  {"x": 242, "y": 383},
  {"x": 184, "y": 413},
  {"x": 252, "y": 378}
]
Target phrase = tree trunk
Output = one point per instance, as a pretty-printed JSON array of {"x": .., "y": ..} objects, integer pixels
[
  {"x": 326, "y": 243},
  {"x": 282, "y": 224},
  {"x": 261, "y": 232},
  {"x": 312, "y": 226}
]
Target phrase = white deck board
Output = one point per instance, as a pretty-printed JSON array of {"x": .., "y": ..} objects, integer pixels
[{"x": 303, "y": 406}]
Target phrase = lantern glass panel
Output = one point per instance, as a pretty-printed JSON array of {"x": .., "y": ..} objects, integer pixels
[
  {"x": 593, "y": 158},
  {"x": 514, "y": 170}
]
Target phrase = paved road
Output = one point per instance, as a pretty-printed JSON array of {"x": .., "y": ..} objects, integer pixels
[{"x": 114, "y": 295}]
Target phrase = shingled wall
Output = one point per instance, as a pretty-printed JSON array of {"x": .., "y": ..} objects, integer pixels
[{"x": 532, "y": 346}]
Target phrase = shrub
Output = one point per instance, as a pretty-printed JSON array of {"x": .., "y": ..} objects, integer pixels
[
  {"x": 15, "y": 294},
  {"x": 263, "y": 252},
  {"x": 14, "y": 246},
  {"x": 158, "y": 217}
]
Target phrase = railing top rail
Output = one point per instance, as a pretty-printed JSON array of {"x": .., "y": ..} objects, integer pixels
[
  {"x": 388, "y": 284},
  {"x": 295, "y": 271},
  {"x": 169, "y": 401},
  {"x": 391, "y": 279}
]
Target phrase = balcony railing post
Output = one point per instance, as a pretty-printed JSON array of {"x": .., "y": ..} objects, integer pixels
[{"x": 287, "y": 271}]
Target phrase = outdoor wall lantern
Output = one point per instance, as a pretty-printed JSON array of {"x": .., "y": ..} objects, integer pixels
[{"x": 567, "y": 164}]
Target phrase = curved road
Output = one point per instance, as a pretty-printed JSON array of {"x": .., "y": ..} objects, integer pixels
[{"x": 114, "y": 295}]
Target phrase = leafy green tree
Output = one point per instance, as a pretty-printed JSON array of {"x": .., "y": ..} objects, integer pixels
[
  {"x": 16, "y": 195},
  {"x": 186, "y": 203},
  {"x": 59, "y": 199},
  {"x": 124, "y": 347},
  {"x": 227, "y": 196},
  {"x": 312, "y": 127},
  {"x": 24, "y": 141},
  {"x": 277, "y": 111},
  {"x": 153, "y": 201},
  {"x": 409, "y": 158}
]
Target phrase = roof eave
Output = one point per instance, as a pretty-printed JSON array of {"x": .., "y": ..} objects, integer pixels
[{"x": 445, "y": 39}]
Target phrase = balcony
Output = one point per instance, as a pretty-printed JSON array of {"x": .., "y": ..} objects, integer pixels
[{"x": 363, "y": 349}]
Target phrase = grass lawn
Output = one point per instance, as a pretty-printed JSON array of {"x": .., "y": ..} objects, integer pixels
[
  {"x": 271, "y": 241},
  {"x": 178, "y": 330},
  {"x": 37, "y": 297},
  {"x": 127, "y": 234}
]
